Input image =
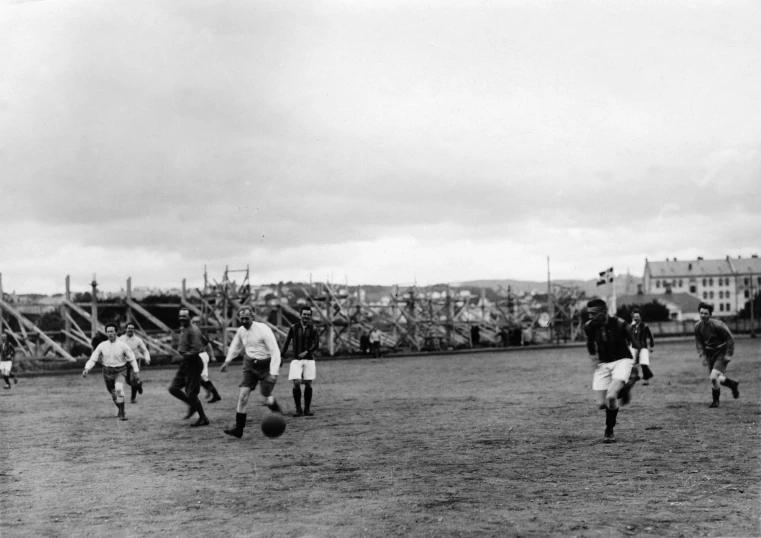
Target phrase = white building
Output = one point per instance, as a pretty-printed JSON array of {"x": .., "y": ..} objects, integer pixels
[{"x": 726, "y": 284}]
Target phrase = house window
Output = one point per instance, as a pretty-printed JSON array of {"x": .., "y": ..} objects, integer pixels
[
  {"x": 710, "y": 294},
  {"x": 680, "y": 282},
  {"x": 705, "y": 295},
  {"x": 704, "y": 283},
  {"x": 729, "y": 307},
  {"x": 657, "y": 283},
  {"x": 693, "y": 289},
  {"x": 747, "y": 294},
  {"x": 721, "y": 295},
  {"x": 726, "y": 281},
  {"x": 746, "y": 280},
  {"x": 759, "y": 281},
  {"x": 710, "y": 281},
  {"x": 721, "y": 307}
]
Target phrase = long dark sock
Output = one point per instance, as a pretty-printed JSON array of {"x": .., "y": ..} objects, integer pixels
[
  {"x": 307, "y": 397},
  {"x": 208, "y": 385},
  {"x": 240, "y": 421},
  {"x": 716, "y": 393},
  {"x": 177, "y": 393},
  {"x": 727, "y": 382},
  {"x": 610, "y": 418},
  {"x": 297, "y": 396},
  {"x": 198, "y": 406},
  {"x": 134, "y": 392},
  {"x": 7, "y": 380},
  {"x": 647, "y": 373}
]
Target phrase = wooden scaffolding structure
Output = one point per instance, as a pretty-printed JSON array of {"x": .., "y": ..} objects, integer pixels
[{"x": 410, "y": 318}]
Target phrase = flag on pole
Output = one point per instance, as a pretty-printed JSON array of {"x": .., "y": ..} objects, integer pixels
[{"x": 605, "y": 277}]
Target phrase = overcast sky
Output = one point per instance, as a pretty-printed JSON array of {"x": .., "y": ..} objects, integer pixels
[{"x": 377, "y": 141}]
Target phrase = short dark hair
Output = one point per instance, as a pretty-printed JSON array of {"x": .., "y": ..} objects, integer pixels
[
  {"x": 707, "y": 306},
  {"x": 305, "y": 307},
  {"x": 636, "y": 310},
  {"x": 130, "y": 323},
  {"x": 111, "y": 324},
  {"x": 596, "y": 303}
]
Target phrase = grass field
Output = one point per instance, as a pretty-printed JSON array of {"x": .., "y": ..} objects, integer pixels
[{"x": 487, "y": 444}]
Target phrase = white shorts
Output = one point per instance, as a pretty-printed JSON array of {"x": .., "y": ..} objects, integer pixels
[
  {"x": 607, "y": 372},
  {"x": 5, "y": 367},
  {"x": 644, "y": 356},
  {"x": 302, "y": 369},
  {"x": 205, "y": 360}
]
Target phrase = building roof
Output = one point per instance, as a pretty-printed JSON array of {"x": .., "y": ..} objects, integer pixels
[
  {"x": 674, "y": 268},
  {"x": 684, "y": 301},
  {"x": 745, "y": 266}
]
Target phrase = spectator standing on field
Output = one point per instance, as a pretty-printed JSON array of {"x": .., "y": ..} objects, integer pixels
[{"x": 375, "y": 342}]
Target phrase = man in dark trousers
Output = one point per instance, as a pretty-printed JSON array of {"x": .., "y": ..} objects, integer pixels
[
  {"x": 302, "y": 369},
  {"x": 609, "y": 341},
  {"x": 642, "y": 349},
  {"x": 192, "y": 344},
  {"x": 715, "y": 345}
]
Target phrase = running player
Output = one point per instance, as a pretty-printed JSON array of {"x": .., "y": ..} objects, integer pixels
[
  {"x": 643, "y": 347},
  {"x": 188, "y": 376},
  {"x": 261, "y": 365},
  {"x": 608, "y": 342},
  {"x": 114, "y": 354},
  {"x": 715, "y": 345},
  {"x": 7, "y": 354},
  {"x": 141, "y": 352}
]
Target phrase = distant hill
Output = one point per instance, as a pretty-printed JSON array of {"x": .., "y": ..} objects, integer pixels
[{"x": 589, "y": 287}]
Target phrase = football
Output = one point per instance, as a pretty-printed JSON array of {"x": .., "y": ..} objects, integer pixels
[{"x": 273, "y": 425}]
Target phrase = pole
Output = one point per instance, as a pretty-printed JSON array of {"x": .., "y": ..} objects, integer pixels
[
  {"x": 67, "y": 319},
  {"x": 752, "y": 308},
  {"x": 550, "y": 302},
  {"x": 94, "y": 307}
]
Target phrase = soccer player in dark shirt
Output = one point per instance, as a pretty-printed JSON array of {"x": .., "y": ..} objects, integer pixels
[
  {"x": 608, "y": 342},
  {"x": 302, "y": 368},
  {"x": 7, "y": 354},
  {"x": 715, "y": 345},
  {"x": 643, "y": 347},
  {"x": 192, "y": 344}
]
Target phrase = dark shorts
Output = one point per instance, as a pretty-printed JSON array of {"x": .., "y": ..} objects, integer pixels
[
  {"x": 717, "y": 360},
  {"x": 256, "y": 372},
  {"x": 112, "y": 374},
  {"x": 188, "y": 376}
]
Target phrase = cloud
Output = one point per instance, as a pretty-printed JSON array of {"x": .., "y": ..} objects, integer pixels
[{"x": 314, "y": 136}]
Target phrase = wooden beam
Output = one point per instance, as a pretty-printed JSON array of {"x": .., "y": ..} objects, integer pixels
[{"x": 31, "y": 326}]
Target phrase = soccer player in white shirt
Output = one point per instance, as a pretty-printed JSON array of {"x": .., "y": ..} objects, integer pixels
[
  {"x": 141, "y": 352},
  {"x": 114, "y": 354},
  {"x": 261, "y": 364}
]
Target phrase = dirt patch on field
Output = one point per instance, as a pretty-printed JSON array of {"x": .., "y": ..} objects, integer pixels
[{"x": 495, "y": 444}]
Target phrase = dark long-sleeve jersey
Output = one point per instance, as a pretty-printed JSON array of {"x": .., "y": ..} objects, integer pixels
[
  {"x": 713, "y": 336},
  {"x": 304, "y": 339},
  {"x": 641, "y": 335},
  {"x": 610, "y": 341}
]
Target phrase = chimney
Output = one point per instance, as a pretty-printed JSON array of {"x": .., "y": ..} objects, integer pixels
[{"x": 700, "y": 258}]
